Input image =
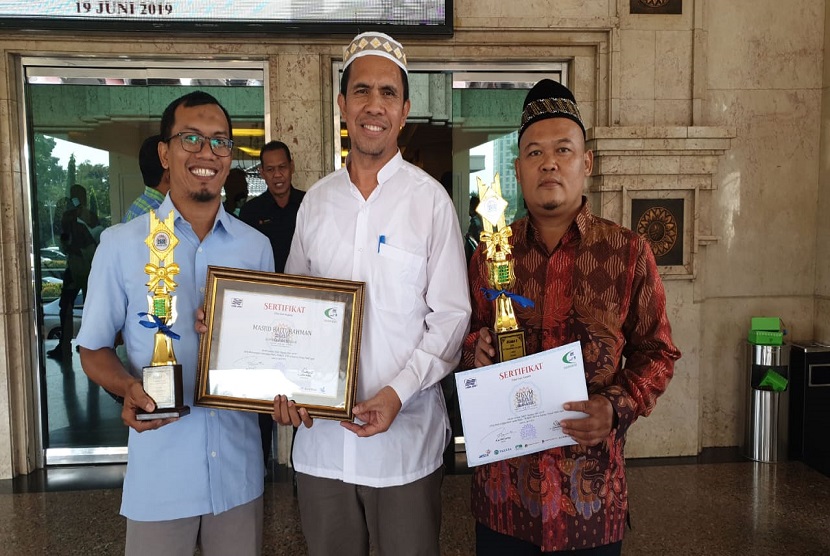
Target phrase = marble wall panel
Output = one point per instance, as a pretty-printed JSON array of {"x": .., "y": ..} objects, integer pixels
[
  {"x": 6, "y": 458},
  {"x": 766, "y": 193},
  {"x": 698, "y": 164},
  {"x": 673, "y": 65},
  {"x": 300, "y": 126},
  {"x": 673, "y": 427},
  {"x": 765, "y": 44},
  {"x": 5, "y": 83},
  {"x": 660, "y": 164},
  {"x": 672, "y": 112},
  {"x": 298, "y": 83},
  {"x": 637, "y": 62},
  {"x": 610, "y": 164},
  {"x": 821, "y": 326},
  {"x": 305, "y": 179},
  {"x": 299, "y": 77},
  {"x": 492, "y": 13},
  {"x": 636, "y": 112}
]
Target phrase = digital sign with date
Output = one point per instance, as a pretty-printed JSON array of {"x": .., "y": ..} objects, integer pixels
[{"x": 231, "y": 16}]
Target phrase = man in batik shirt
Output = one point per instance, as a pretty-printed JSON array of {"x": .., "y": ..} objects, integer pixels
[{"x": 594, "y": 282}]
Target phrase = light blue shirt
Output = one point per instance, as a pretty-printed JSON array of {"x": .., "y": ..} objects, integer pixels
[{"x": 211, "y": 460}]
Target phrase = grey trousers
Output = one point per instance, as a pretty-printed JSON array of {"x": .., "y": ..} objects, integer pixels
[
  {"x": 237, "y": 531},
  {"x": 342, "y": 519}
]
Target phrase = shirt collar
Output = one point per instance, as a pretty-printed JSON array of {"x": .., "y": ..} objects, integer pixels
[
  {"x": 222, "y": 221},
  {"x": 390, "y": 168},
  {"x": 575, "y": 232},
  {"x": 385, "y": 173},
  {"x": 583, "y": 217}
]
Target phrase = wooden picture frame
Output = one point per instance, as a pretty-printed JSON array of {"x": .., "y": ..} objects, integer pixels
[{"x": 271, "y": 334}]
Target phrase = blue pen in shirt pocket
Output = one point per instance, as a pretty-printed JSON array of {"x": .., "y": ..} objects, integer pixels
[{"x": 381, "y": 239}]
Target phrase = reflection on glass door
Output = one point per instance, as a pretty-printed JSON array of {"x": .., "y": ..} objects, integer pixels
[{"x": 86, "y": 125}]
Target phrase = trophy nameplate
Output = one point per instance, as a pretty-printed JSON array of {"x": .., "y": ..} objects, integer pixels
[
  {"x": 162, "y": 379},
  {"x": 509, "y": 338}
]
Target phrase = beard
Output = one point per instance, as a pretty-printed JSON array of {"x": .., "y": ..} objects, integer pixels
[
  {"x": 203, "y": 196},
  {"x": 372, "y": 150},
  {"x": 551, "y": 205}
]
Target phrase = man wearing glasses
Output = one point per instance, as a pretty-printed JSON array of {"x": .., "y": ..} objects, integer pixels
[{"x": 197, "y": 480}]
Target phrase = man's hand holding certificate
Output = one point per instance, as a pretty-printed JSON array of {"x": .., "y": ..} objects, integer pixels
[{"x": 515, "y": 408}]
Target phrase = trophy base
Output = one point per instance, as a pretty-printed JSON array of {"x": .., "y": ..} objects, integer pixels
[
  {"x": 163, "y": 413},
  {"x": 163, "y": 383},
  {"x": 510, "y": 345}
]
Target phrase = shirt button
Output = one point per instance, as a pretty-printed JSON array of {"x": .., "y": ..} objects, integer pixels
[
  {"x": 199, "y": 250},
  {"x": 360, "y": 249},
  {"x": 213, "y": 454},
  {"x": 202, "y": 289},
  {"x": 212, "y": 413}
]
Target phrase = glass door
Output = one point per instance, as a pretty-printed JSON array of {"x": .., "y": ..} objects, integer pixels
[{"x": 86, "y": 121}]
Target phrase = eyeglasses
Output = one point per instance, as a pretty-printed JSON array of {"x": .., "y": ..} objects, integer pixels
[{"x": 193, "y": 142}]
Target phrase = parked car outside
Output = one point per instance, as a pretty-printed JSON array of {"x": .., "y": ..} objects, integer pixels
[
  {"x": 52, "y": 318},
  {"x": 52, "y": 263}
]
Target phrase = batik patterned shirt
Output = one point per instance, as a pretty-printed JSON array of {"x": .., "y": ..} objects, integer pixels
[{"x": 599, "y": 286}]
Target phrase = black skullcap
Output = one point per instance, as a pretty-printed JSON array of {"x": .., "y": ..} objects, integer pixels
[
  {"x": 549, "y": 99},
  {"x": 149, "y": 162}
]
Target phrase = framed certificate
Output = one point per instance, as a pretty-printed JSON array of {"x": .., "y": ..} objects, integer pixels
[{"x": 271, "y": 334}]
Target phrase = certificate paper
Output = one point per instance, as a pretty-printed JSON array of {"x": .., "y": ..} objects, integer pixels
[
  {"x": 514, "y": 408},
  {"x": 278, "y": 345},
  {"x": 270, "y": 333}
]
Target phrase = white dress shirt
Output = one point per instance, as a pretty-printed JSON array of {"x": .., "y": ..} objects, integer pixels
[{"x": 405, "y": 243}]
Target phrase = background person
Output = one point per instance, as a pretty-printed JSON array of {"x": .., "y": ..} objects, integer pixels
[
  {"x": 382, "y": 221},
  {"x": 594, "y": 282},
  {"x": 274, "y": 211},
  {"x": 80, "y": 229},
  {"x": 236, "y": 191},
  {"x": 156, "y": 179}
]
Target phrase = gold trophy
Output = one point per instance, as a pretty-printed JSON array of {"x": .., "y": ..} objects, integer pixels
[
  {"x": 509, "y": 338},
  {"x": 162, "y": 380}
]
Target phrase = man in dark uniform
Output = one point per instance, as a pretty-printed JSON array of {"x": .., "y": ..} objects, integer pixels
[{"x": 274, "y": 212}]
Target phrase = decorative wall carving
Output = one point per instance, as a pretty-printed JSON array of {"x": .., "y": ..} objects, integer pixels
[
  {"x": 656, "y": 7},
  {"x": 658, "y": 182}
]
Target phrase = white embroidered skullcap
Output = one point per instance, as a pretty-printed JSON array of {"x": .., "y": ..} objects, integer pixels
[{"x": 373, "y": 43}]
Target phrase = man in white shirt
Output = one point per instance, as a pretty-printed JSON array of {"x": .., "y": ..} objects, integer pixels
[{"x": 382, "y": 221}]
